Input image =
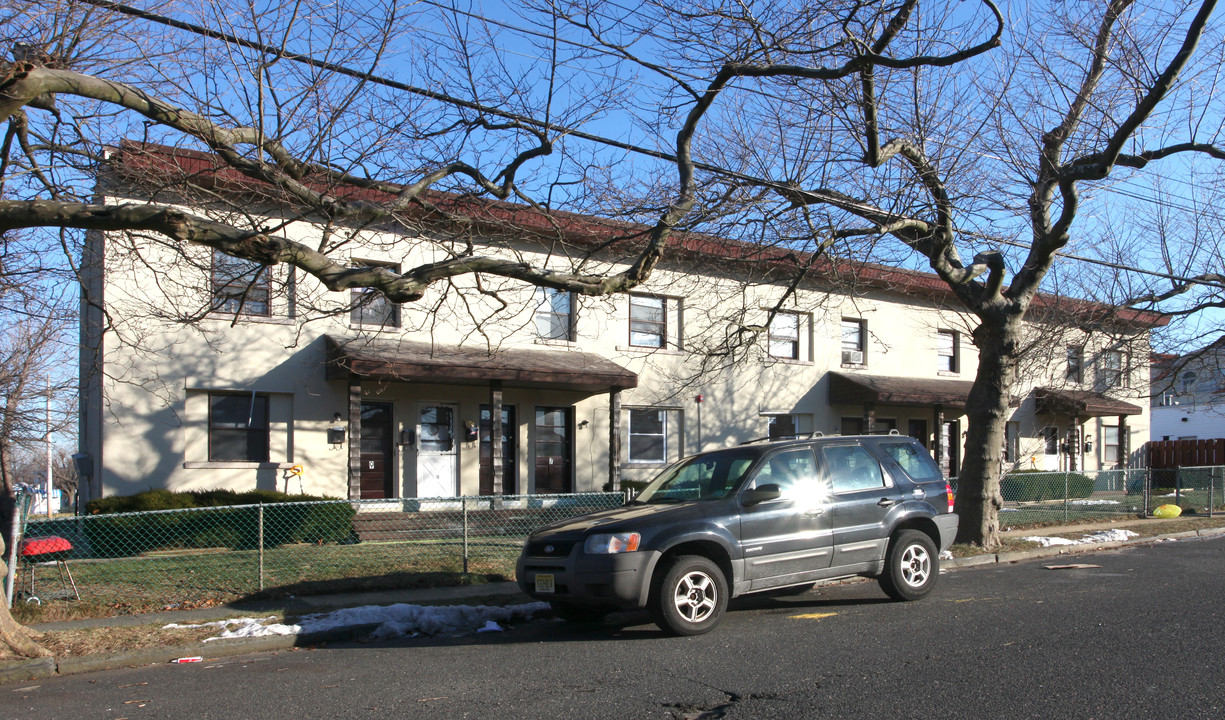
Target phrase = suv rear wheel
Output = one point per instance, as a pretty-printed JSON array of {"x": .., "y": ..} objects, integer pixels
[
  {"x": 690, "y": 597},
  {"x": 911, "y": 566}
]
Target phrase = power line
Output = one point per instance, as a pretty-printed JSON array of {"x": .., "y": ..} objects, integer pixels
[{"x": 545, "y": 125}]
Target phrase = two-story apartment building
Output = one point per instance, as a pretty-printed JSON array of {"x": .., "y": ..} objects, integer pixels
[{"x": 203, "y": 371}]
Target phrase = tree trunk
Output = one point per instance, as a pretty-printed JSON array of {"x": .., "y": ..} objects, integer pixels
[
  {"x": 978, "y": 485},
  {"x": 15, "y": 639}
]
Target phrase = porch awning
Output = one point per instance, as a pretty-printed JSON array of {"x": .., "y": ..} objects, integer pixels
[
  {"x": 415, "y": 362},
  {"x": 1080, "y": 403},
  {"x": 854, "y": 389}
]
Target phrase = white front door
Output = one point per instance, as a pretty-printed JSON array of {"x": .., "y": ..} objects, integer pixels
[
  {"x": 1050, "y": 455},
  {"x": 436, "y": 451}
]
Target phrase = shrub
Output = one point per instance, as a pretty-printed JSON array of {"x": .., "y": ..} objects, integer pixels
[
  {"x": 1035, "y": 486},
  {"x": 204, "y": 520}
]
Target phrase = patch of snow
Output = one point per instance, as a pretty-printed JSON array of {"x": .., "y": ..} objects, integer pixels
[
  {"x": 392, "y": 621},
  {"x": 1095, "y": 537},
  {"x": 946, "y": 555},
  {"x": 244, "y": 628},
  {"x": 1094, "y": 502}
]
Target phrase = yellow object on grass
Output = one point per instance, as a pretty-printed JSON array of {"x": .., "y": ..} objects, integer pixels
[{"x": 1167, "y": 511}]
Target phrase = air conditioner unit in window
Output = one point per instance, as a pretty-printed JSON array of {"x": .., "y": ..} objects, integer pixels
[{"x": 852, "y": 357}]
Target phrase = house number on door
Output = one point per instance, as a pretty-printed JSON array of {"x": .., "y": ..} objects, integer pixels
[{"x": 371, "y": 466}]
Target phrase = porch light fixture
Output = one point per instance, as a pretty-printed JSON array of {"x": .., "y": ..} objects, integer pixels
[
  {"x": 336, "y": 433},
  {"x": 1088, "y": 443}
]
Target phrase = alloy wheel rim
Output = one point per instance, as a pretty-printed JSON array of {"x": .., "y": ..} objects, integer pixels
[
  {"x": 695, "y": 596},
  {"x": 916, "y": 565}
]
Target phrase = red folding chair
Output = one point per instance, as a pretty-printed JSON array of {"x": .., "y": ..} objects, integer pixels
[{"x": 33, "y": 552}]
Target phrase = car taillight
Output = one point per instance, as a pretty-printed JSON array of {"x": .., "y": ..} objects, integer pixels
[{"x": 948, "y": 490}]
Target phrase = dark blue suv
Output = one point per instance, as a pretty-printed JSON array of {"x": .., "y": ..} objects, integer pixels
[{"x": 753, "y": 518}]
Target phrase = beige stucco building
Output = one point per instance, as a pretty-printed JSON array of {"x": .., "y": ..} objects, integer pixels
[{"x": 200, "y": 371}]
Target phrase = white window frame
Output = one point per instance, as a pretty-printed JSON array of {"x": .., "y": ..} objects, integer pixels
[
  {"x": 662, "y": 435},
  {"x": 1113, "y": 375}
]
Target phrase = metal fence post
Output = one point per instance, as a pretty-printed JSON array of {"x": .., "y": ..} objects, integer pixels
[
  {"x": 1212, "y": 489},
  {"x": 261, "y": 546},
  {"x": 465, "y": 502},
  {"x": 1065, "y": 497}
]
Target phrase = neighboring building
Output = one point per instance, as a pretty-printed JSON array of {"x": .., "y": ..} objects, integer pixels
[
  {"x": 1188, "y": 395},
  {"x": 374, "y": 400}
]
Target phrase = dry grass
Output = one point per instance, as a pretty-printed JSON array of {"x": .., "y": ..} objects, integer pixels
[{"x": 97, "y": 641}]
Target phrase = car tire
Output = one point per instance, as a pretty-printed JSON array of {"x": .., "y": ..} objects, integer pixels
[
  {"x": 690, "y": 596},
  {"x": 578, "y": 613},
  {"x": 911, "y": 566}
]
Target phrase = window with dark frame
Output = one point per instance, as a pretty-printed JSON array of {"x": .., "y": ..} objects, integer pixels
[
  {"x": 241, "y": 287},
  {"x": 784, "y": 336},
  {"x": 648, "y": 435},
  {"x": 1076, "y": 362},
  {"x": 947, "y": 349},
  {"x": 237, "y": 427},
  {"x": 555, "y": 314},
  {"x": 854, "y": 340},
  {"x": 1112, "y": 369},
  {"x": 371, "y": 308},
  {"x": 648, "y": 321},
  {"x": 782, "y": 426}
]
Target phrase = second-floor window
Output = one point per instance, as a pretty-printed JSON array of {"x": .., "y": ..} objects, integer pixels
[
  {"x": 238, "y": 427},
  {"x": 785, "y": 336},
  {"x": 1076, "y": 363},
  {"x": 554, "y": 314},
  {"x": 648, "y": 321},
  {"x": 854, "y": 342},
  {"x": 947, "y": 351},
  {"x": 241, "y": 287},
  {"x": 1112, "y": 374},
  {"x": 370, "y": 308}
]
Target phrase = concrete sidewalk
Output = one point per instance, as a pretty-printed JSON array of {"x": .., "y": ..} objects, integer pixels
[{"x": 506, "y": 593}]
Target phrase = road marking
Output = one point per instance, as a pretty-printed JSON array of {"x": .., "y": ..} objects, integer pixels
[{"x": 812, "y": 616}]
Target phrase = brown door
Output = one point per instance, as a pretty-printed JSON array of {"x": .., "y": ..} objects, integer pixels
[
  {"x": 376, "y": 470},
  {"x": 917, "y": 429},
  {"x": 553, "y": 450},
  {"x": 509, "y": 433}
]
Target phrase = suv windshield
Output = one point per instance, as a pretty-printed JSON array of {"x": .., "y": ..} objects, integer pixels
[{"x": 710, "y": 476}]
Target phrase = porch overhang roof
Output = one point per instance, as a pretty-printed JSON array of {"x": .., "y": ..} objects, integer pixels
[
  {"x": 849, "y": 389},
  {"x": 415, "y": 362},
  {"x": 1081, "y": 403}
]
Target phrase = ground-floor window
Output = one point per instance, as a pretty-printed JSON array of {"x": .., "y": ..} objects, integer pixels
[
  {"x": 648, "y": 435},
  {"x": 238, "y": 427}
]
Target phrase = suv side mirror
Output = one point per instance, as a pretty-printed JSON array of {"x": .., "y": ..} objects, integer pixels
[{"x": 765, "y": 493}]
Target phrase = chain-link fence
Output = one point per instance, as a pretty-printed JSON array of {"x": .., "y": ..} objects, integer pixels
[
  {"x": 186, "y": 557},
  {"x": 1032, "y": 497},
  {"x": 148, "y": 560}
]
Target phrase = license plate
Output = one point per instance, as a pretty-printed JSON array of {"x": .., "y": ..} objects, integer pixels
[{"x": 544, "y": 583}]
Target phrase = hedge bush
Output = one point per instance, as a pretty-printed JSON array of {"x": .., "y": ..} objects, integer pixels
[
  {"x": 205, "y": 521},
  {"x": 1036, "y": 486}
]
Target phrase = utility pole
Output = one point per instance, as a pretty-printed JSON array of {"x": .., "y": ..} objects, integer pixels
[{"x": 50, "y": 483}]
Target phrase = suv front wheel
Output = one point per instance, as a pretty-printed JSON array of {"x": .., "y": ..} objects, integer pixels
[
  {"x": 911, "y": 566},
  {"x": 690, "y": 597}
]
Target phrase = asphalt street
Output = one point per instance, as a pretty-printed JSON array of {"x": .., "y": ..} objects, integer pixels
[{"x": 1142, "y": 636}]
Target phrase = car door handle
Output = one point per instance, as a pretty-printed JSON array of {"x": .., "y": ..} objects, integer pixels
[{"x": 886, "y": 502}]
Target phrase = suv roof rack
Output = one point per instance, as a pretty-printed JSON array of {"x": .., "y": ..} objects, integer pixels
[{"x": 797, "y": 436}]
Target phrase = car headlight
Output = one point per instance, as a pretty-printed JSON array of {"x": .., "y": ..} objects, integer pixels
[{"x": 609, "y": 544}]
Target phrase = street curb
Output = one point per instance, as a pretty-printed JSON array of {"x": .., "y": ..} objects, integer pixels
[
  {"x": 1056, "y": 550},
  {"x": 49, "y": 667}
]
